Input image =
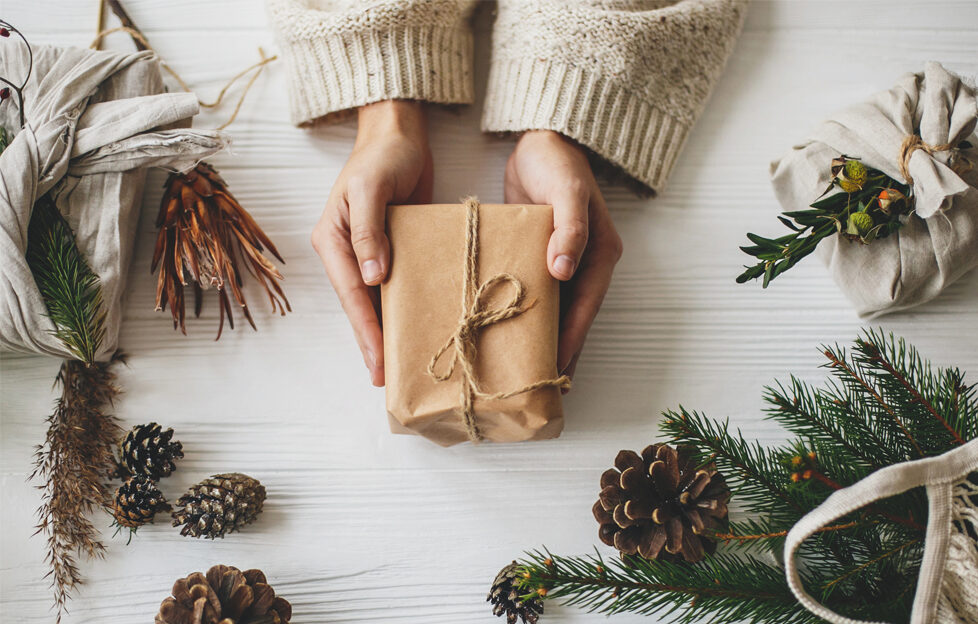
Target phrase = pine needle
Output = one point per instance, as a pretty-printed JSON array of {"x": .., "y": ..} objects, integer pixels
[{"x": 71, "y": 290}]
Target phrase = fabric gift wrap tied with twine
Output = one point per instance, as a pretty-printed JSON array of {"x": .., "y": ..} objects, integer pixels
[
  {"x": 913, "y": 133},
  {"x": 93, "y": 122},
  {"x": 470, "y": 316}
]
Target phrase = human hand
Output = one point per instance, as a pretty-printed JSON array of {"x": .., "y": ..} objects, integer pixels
[
  {"x": 390, "y": 163},
  {"x": 546, "y": 168}
]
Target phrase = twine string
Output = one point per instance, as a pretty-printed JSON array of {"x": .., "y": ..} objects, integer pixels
[
  {"x": 255, "y": 70},
  {"x": 477, "y": 313},
  {"x": 913, "y": 142}
]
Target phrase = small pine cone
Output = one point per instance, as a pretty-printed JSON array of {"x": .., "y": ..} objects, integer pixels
[
  {"x": 147, "y": 450},
  {"x": 225, "y": 595},
  {"x": 137, "y": 501},
  {"x": 505, "y": 598},
  {"x": 658, "y": 504},
  {"x": 219, "y": 505}
]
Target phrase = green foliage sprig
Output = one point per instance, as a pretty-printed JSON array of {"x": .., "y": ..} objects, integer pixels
[
  {"x": 868, "y": 205},
  {"x": 884, "y": 404},
  {"x": 71, "y": 290}
]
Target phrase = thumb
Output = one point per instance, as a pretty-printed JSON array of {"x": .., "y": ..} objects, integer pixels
[
  {"x": 368, "y": 214},
  {"x": 570, "y": 235}
]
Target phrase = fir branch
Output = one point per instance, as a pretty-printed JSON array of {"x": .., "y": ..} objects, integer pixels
[
  {"x": 848, "y": 372},
  {"x": 884, "y": 405},
  {"x": 758, "y": 478},
  {"x": 74, "y": 463},
  {"x": 71, "y": 290},
  {"x": 722, "y": 587},
  {"x": 871, "y": 349},
  {"x": 825, "y": 417}
]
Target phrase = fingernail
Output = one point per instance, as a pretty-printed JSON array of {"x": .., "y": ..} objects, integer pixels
[
  {"x": 370, "y": 270},
  {"x": 564, "y": 265}
]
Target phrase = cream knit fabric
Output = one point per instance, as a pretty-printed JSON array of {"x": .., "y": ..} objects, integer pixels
[{"x": 625, "y": 78}]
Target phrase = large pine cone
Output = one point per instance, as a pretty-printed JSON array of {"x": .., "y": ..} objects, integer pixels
[
  {"x": 137, "y": 501},
  {"x": 226, "y": 595},
  {"x": 505, "y": 598},
  {"x": 148, "y": 450},
  {"x": 218, "y": 505},
  {"x": 659, "y": 504}
]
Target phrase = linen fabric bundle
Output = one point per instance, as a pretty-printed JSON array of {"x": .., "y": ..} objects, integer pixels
[
  {"x": 93, "y": 122},
  {"x": 939, "y": 242}
]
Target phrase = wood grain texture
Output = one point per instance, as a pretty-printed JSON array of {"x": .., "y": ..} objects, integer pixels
[{"x": 365, "y": 526}]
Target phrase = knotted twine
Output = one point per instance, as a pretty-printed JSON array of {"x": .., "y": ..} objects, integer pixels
[
  {"x": 477, "y": 313},
  {"x": 913, "y": 142}
]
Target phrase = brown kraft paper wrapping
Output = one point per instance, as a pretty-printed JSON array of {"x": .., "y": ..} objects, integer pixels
[{"x": 422, "y": 304}]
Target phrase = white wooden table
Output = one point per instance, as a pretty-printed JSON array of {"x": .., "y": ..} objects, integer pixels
[{"x": 361, "y": 525}]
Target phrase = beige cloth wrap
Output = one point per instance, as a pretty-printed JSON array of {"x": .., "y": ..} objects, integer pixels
[
  {"x": 93, "y": 122},
  {"x": 939, "y": 243}
]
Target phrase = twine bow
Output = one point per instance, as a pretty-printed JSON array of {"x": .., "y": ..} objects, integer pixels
[
  {"x": 477, "y": 314},
  {"x": 913, "y": 142}
]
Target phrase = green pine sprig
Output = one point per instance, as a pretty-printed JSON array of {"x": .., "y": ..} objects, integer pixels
[
  {"x": 884, "y": 404},
  {"x": 756, "y": 590},
  {"x": 71, "y": 290},
  {"x": 857, "y": 211}
]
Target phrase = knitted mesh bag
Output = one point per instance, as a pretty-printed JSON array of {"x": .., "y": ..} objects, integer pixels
[{"x": 947, "y": 591}]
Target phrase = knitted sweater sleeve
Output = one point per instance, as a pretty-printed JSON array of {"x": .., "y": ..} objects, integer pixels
[
  {"x": 625, "y": 78},
  {"x": 341, "y": 54}
]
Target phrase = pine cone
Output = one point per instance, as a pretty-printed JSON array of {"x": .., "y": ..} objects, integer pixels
[
  {"x": 218, "y": 505},
  {"x": 658, "y": 505},
  {"x": 505, "y": 598},
  {"x": 226, "y": 595},
  {"x": 137, "y": 501},
  {"x": 147, "y": 450}
]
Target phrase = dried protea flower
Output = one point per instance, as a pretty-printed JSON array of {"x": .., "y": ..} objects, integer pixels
[{"x": 203, "y": 232}]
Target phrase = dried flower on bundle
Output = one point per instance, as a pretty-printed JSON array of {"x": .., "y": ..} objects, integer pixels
[
  {"x": 204, "y": 234},
  {"x": 868, "y": 206},
  {"x": 77, "y": 457}
]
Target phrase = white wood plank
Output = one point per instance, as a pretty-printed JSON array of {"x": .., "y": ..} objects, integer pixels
[{"x": 362, "y": 525}]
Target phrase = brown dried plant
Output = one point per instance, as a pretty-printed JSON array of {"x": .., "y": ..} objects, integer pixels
[
  {"x": 204, "y": 234},
  {"x": 75, "y": 462}
]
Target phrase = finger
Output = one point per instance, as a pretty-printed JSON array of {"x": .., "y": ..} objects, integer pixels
[
  {"x": 569, "y": 371},
  {"x": 570, "y": 234},
  {"x": 587, "y": 293},
  {"x": 426, "y": 182},
  {"x": 338, "y": 258},
  {"x": 368, "y": 212}
]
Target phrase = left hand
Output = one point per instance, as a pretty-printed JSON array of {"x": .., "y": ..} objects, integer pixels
[{"x": 546, "y": 168}]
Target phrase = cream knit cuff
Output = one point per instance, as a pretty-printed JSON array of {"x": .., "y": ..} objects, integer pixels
[
  {"x": 329, "y": 74},
  {"x": 593, "y": 109}
]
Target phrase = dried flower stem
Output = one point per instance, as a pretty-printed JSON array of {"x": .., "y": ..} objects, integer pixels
[
  {"x": 74, "y": 463},
  {"x": 6, "y": 28},
  {"x": 204, "y": 232}
]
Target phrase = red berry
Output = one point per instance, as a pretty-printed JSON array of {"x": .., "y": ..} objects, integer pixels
[
  {"x": 4, "y": 32},
  {"x": 4, "y": 93}
]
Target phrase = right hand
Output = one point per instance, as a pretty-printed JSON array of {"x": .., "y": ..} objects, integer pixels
[{"x": 390, "y": 163}]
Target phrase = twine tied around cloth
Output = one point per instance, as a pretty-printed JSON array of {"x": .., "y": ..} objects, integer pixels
[
  {"x": 913, "y": 142},
  {"x": 477, "y": 314}
]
